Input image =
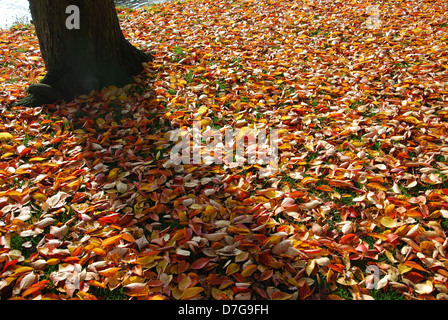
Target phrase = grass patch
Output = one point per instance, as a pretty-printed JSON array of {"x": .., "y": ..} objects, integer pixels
[{"x": 106, "y": 294}]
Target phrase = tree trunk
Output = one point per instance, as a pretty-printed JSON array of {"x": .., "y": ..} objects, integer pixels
[{"x": 79, "y": 60}]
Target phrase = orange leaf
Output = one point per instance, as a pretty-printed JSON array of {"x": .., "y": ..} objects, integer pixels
[
  {"x": 72, "y": 260},
  {"x": 191, "y": 293},
  {"x": 239, "y": 229},
  {"x": 348, "y": 238},
  {"x": 35, "y": 287},
  {"x": 377, "y": 186},
  {"x": 97, "y": 284},
  {"x": 128, "y": 237},
  {"x": 249, "y": 270},
  {"x": 296, "y": 194},
  {"x": 111, "y": 240},
  {"x": 109, "y": 272},
  {"x": 414, "y": 265},
  {"x": 337, "y": 267},
  {"x": 324, "y": 188},
  {"x": 99, "y": 251},
  {"x": 414, "y": 213},
  {"x": 390, "y": 210},
  {"x": 340, "y": 183}
]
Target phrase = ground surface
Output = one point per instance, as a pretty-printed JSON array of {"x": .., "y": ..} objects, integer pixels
[{"x": 93, "y": 207}]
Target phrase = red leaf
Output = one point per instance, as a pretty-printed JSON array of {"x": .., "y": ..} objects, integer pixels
[
  {"x": 348, "y": 238},
  {"x": 337, "y": 267},
  {"x": 305, "y": 292},
  {"x": 182, "y": 266},
  {"x": 25, "y": 151},
  {"x": 199, "y": 264},
  {"x": 9, "y": 265},
  {"x": 155, "y": 283},
  {"x": 414, "y": 276},
  {"x": 265, "y": 275}
]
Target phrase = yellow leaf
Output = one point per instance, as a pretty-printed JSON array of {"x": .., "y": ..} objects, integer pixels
[
  {"x": 37, "y": 159},
  {"x": 261, "y": 199},
  {"x": 232, "y": 268},
  {"x": 310, "y": 267},
  {"x": 403, "y": 268},
  {"x": 271, "y": 194},
  {"x": 39, "y": 197},
  {"x": 157, "y": 296},
  {"x": 112, "y": 174},
  {"x": 21, "y": 270},
  {"x": 377, "y": 186},
  {"x": 145, "y": 260},
  {"x": 5, "y": 136},
  {"x": 388, "y": 222},
  {"x": 185, "y": 283},
  {"x": 100, "y": 122},
  {"x": 53, "y": 261},
  {"x": 412, "y": 120},
  {"x": 6, "y": 155},
  {"x": 191, "y": 293},
  {"x": 285, "y": 146},
  {"x": 308, "y": 180},
  {"x": 202, "y": 110},
  {"x": 198, "y": 70}
]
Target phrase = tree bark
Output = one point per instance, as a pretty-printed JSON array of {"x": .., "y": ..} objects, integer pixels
[{"x": 79, "y": 60}]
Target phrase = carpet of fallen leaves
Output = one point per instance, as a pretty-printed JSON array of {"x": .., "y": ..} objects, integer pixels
[{"x": 92, "y": 206}]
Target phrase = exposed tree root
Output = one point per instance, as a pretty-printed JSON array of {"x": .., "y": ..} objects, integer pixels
[{"x": 39, "y": 94}]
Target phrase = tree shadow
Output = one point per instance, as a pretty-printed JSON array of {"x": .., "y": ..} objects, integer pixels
[{"x": 90, "y": 168}]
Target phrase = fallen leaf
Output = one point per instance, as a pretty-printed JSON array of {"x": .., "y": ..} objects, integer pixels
[{"x": 191, "y": 293}]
